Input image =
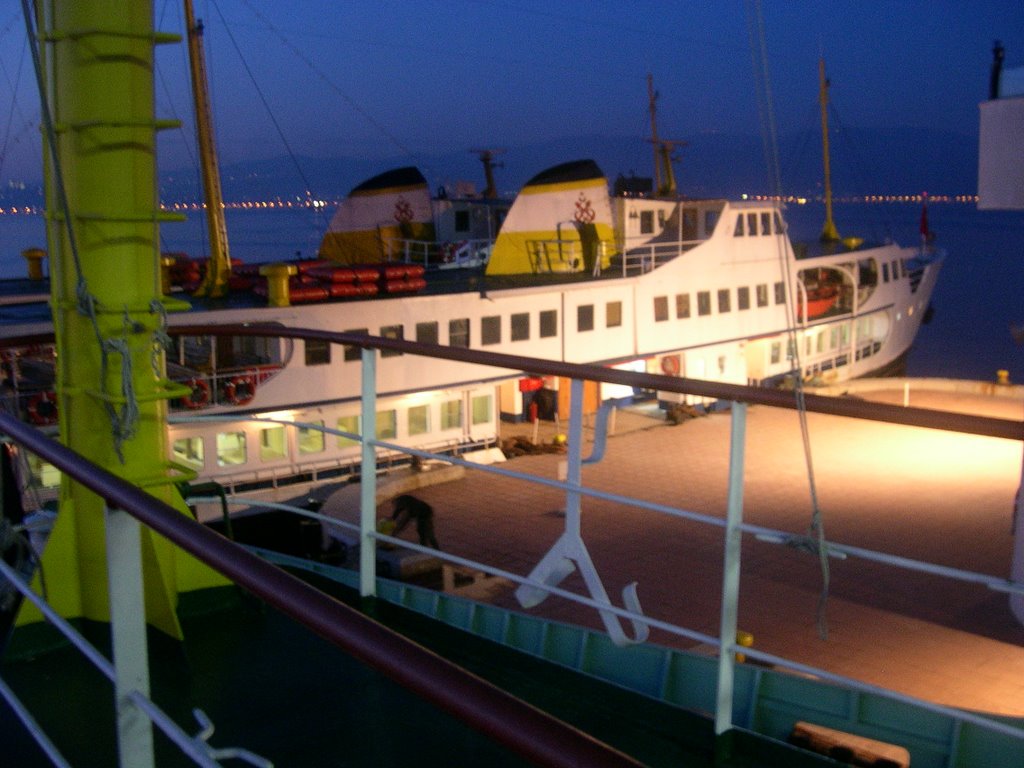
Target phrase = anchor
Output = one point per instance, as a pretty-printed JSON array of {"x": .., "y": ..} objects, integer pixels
[{"x": 569, "y": 552}]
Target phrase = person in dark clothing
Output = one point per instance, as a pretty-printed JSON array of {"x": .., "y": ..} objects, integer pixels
[{"x": 408, "y": 508}]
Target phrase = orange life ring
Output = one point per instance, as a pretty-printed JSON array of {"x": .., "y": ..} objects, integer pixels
[
  {"x": 42, "y": 408},
  {"x": 670, "y": 365},
  {"x": 199, "y": 397},
  {"x": 240, "y": 390}
]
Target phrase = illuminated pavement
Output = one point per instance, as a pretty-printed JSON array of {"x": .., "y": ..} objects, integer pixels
[{"x": 917, "y": 493}]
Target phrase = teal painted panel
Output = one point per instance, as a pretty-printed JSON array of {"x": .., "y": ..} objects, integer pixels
[
  {"x": 799, "y": 694},
  {"x": 692, "y": 682},
  {"x": 563, "y": 645},
  {"x": 490, "y": 622},
  {"x": 455, "y": 612},
  {"x": 637, "y": 667},
  {"x": 881, "y": 713},
  {"x": 525, "y": 633},
  {"x": 981, "y": 747}
]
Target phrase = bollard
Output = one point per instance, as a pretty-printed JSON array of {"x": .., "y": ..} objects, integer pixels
[
  {"x": 34, "y": 257},
  {"x": 744, "y": 640},
  {"x": 1002, "y": 377},
  {"x": 277, "y": 283}
]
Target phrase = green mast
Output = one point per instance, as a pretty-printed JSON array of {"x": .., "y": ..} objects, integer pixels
[{"x": 108, "y": 311}]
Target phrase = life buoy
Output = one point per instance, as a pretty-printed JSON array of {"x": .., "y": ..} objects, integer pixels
[
  {"x": 199, "y": 397},
  {"x": 240, "y": 390},
  {"x": 670, "y": 365},
  {"x": 42, "y": 408}
]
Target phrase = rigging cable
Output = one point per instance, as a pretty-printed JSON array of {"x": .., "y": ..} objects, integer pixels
[{"x": 815, "y": 541}]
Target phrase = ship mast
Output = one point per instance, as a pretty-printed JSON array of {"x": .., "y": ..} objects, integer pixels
[
  {"x": 487, "y": 158},
  {"x": 662, "y": 149},
  {"x": 829, "y": 234},
  {"x": 218, "y": 269}
]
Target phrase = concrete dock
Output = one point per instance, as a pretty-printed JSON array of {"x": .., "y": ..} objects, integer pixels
[{"x": 912, "y": 492}]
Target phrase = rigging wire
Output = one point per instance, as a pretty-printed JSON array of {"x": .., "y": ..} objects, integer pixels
[{"x": 815, "y": 541}]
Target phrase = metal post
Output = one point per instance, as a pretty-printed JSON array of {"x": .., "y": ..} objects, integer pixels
[
  {"x": 128, "y": 636},
  {"x": 368, "y": 478},
  {"x": 575, "y": 474},
  {"x": 731, "y": 571}
]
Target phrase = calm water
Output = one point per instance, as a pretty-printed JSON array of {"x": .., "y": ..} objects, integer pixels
[{"x": 977, "y": 299}]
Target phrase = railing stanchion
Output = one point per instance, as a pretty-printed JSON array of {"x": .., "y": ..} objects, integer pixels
[
  {"x": 572, "y": 496},
  {"x": 731, "y": 571},
  {"x": 128, "y": 638},
  {"x": 368, "y": 478}
]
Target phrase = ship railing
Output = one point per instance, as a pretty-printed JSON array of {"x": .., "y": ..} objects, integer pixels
[
  {"x": 645, "y": 256},
  {"x": 420, "y": 674},
  {"x": 469, "y": 252}
]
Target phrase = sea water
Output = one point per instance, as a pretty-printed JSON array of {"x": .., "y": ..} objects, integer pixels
[{"x": 976, "y": 302}]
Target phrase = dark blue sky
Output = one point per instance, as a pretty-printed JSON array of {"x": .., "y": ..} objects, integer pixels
[{"x": 384, "y": 78}]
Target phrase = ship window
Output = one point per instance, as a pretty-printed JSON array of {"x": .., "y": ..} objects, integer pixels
[
  {"x": 820, "y": 344},
  {"x": 426, "y": 333},
  {"x": 188, "y": 450},
  {"x": 710, "y": 220},
  {"x": 230, "y": 449},
  {"x": 353, "y": 352},
  {"x": 391, "y": 332},
  {"x": 682, "y": 305},
  {"x": 896, "y": 269},
  {"x": 458, "y": 332},
  {"x": 646, "y": 222},
  {"x": 387, "y": 425},
  {"x": 766, "y": 223},
  {"x": 613, "y": 314},
  {"x": 548, "y": 323},
  {"x": 752, "y": 224},
  {"x": 885, "y": 272},
  {"x": 490, "y": 329},
  {"x": 272, "y": 443},
  {"x": 451, "y": 414},
  {"x": 738, "y": 232},
  {"x": 661, "y": 219},
  {"x": 462, "y": 221},
  {"x": 703, "y": 303},
  {"x": 483, "y": 409},
  {"x": 520, "y": 326},
  {"x": 348, "y": 424},
  {"x": 318, "y": 352},
  {"x": 762, "y": 295},
  {"x": 419, "y": 420},
  {"x": 242, "y": 351},
  {"x": 585, "y": 317},
  {"x": 724, "y": 304},
  {"x": 776, "y": 352},
  {"x": 660, "y": 309},
  {"x": 780, "y": 293},
  {"x": 743, "y": 297},
  {"x": 778, "y": 224},
  {"x": 311, "y": 439}
]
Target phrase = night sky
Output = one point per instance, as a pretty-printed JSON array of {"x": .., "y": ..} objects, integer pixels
[{"x": 383, "y": 78}]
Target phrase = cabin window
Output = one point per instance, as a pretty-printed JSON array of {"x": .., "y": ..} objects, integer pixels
[
  {"x": 752, "y": 224},
  {"x": 738, "y": 232},
  {"x": 646, "y": 222},
  {"x": 820, "y": 343},
  {"x": 188, "y": 450},
  {"x": 689, "y": 224},
  {"x": 353, "y": 352},
  {"x": 520, "y": 326},
  {"x": 743, "y": 297},
  {"x": 833, "y": 340},
  {"x": 896, "y": 269},
  {"x": 318, "y": 352},
  {"x": 780, "y": 293},
  {"x": 776, "y": 353},
  {"x": 387, "y": 425},
  {"x": 762, "y": 295},
  {"x": 660, "y": 309},
  {"x": 703, "y": 303},
  {"x": 349, "y": 424},
  {"x": 710, "y": 220},
  {"x": 418, "y": 418},
  {"x": 311, "y": 439},
  {"x": 230, "y": 449},
  {"x": 451, "y": 414},
  {"x": 766, "y": 223},
  {"x": 242, "y": 351},
  {"x": 779, "y": 229},
  {"x": 273, "y": 444},
  {"x": 483, "y": 409},
  {"x": 196, "y": 352},
  {"x": 682, "y": 305},
  {"x": 548, "y": 323},
  {"x": 426, "y": 333},
  {"x": 724, "y": 304},
  {"x": 458, "y": 332},
  {"x": 391, "y": 332},
  {"x": 613, "y": 314},
  {"x": 462, "y": 221},
  {"x": 490, "y": 330},
  {"x": 885, "y": 272},
  {"x": 585, "y": 318}
]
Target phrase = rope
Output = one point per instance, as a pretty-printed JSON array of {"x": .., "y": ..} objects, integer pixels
[{"x": 816, "y": 529}]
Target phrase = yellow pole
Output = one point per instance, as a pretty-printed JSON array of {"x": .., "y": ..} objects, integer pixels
[{"x": 829, "y": 232}]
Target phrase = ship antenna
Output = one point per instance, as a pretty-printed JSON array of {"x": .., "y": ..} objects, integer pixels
[
  {"x": 487, "y": 158},
  {"x": 829, "y": 233}
]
